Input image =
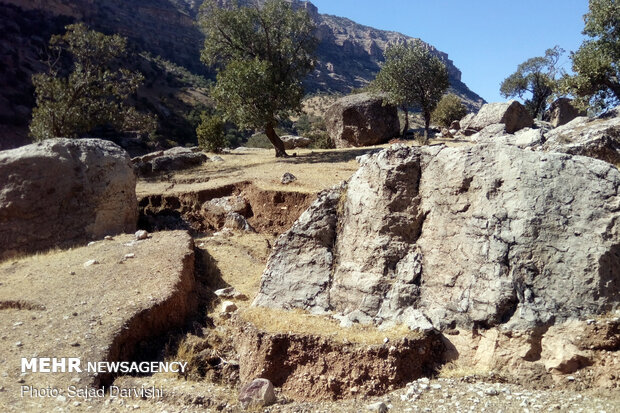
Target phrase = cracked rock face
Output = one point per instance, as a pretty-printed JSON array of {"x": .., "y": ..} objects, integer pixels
[
  {"x": 477, "y": 236},
  {"x": 598, "y": 138}
]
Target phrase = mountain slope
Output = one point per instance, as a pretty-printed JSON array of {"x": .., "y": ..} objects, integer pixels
[{"x": 349, "y": 54}]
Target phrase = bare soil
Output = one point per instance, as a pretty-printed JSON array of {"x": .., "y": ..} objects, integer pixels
[{"x": 52, "y": 305}]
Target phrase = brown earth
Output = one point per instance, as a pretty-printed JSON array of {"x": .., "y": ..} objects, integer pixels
[
  {"x": 53, "y": 305},
  {"x": 215, "y": 344}
]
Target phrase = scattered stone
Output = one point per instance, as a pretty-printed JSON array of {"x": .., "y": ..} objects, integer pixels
[
  {"x": 378, "y": 407},
  {"x": 257, "y": 393},
  {"x": 216, "y": 158},
  {"x": 217, "y": 211},
  {"x": 229, "y": 293},
  {"x": 19, "y": 323},
  {"x": 141, "y": 235},
  {"x": 19, "y": 344},
  {"x": 229, "y": 307},
  {"x": 361, "y": 120},
  {"x": 130, "y": 255},
  {"x": 288, "y": 178},
  {"x": 237, "y": 222},
  {"x": 90, "y": 263},
  {"x": 491, "y": 391},
  {"x": 108, "y": 238}
]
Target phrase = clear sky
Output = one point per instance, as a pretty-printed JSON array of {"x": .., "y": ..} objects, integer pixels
[{"x": 486, "y": 39}]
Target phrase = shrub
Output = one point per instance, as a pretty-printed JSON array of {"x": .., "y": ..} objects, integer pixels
[
  {"x": 320, "y": 140},
  {"x": 211, "y": 133},
  {"x": 259, "y": 140},
  {"x": 450, "y": 108}
]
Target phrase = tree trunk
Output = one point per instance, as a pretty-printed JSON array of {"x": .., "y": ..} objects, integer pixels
[
  {"x": 406, "y": 128},
  {"x": 275, "y": 141},
  {"x": 427, "y": 123}
]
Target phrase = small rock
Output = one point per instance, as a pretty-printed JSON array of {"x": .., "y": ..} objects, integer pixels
[
  {"x": 108, "y": 238},
  {"x": 19, "y": 323},
  {"x": 91, "y": 243},
  {"x": 259, "y": 392},
  {"x": 19, "y": 344},
  {"x": 131, "y": 255},
  {"x": 141, "y": 234},
  {"x": 378, "y": 407},
  {"x": 216, "y": 158},
  {"x": 72, "y": 273},
  {"x": 491, "y": 392},
  {"x": 591, "y": 321},
  {"x": 229, "y": 307},
  {"x": 90, "y": 263},
  {"x": 77, "y": 404},
  {"x": 288, "y": 178},
  {"x": 61, "y": 399},
  {"x": 436, "y": 386},
  {"x": 570, "y": 378}
]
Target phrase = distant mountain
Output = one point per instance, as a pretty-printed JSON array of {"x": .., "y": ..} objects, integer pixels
[{"x": 349, "y": 54}]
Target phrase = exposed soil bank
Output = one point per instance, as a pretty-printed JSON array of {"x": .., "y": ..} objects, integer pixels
[
  {"x": 269, "y": 211},
  {"x": 309, "y": 367}
]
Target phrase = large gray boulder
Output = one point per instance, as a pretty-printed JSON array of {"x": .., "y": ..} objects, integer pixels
[
  {"x": 175, "y": 159},
  {"x": 598, "y": 138},
  {"x": 512, "y": 114},
  {"x": 469, "y": 236},
  {"x": 561, "y": 111},
  {"x": 63, "y": 191},
  {"x": 361, "y": 120}
]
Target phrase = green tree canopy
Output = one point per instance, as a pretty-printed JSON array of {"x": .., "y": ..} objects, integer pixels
[
  {"x": 449, "y": 108},
  {"x": 412, "y": 76},
  {"x": 85, "y": 87},
  {"x": 596, "y": 65},
  {"x": 536, "y": 76},
  {"x": 262, "y": 53}
]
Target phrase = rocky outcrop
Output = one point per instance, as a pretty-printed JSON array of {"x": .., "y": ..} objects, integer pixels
[
  {"x": 597, "y": 138},
  {"x": 63, "y": 191},
  {"x": 175, "y": 159},
  {"x": 523, "y": 138},
  {"x": 474, "y": 237},
  {"x": 561, "y": 111},
  {"x": 512, "y": 114},
  {"x": 361, "y": 120}
]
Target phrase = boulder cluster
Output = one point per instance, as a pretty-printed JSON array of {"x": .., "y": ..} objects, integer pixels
[{"x": 478, "y": 236}]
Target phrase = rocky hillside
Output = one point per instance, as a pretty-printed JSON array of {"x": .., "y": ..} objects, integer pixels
[{"x": 349, "y": 54}]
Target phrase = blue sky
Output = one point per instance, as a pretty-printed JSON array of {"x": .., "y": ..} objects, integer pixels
[{"x": 485, "y": 39}]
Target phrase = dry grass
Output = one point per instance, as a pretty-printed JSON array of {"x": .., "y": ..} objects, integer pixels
[
  {"x": 454, "y": 369},
  {"x": 301, "y": 322},
  {"x": 240, "y": 259},
  {"x": 315, "y": 170}
]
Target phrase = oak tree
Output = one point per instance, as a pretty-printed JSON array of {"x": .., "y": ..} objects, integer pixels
[
  {"x": 412, "y": 76},
  {"x": 85, "y": 87},
  {"x": 262, "y": 53}
]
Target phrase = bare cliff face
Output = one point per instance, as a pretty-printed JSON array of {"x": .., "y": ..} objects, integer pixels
[{"x": 349, "y": 54}]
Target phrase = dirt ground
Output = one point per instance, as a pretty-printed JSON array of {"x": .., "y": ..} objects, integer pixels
[{"x": 52, "y": 302}]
